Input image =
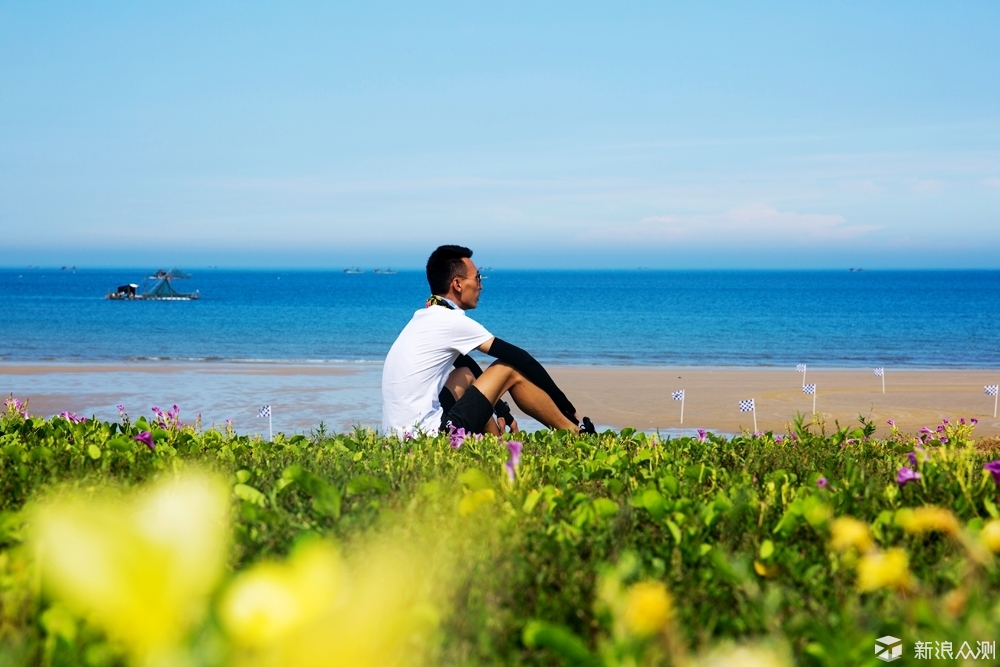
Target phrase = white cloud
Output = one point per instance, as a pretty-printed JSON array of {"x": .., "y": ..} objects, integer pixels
[{"x": 752, "y": 225}]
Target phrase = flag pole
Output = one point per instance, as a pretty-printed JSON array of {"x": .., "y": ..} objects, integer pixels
[
  {"x": 995, "y": 397},
  {"x": 883, "y": 380},
  {"x": 682, "y": 409},
  {"x": 755, "y": 416},
  {"x": 270, "y": 433},
  {"x": 814, "y": 400},
  {"x": 804, "y": 369}
]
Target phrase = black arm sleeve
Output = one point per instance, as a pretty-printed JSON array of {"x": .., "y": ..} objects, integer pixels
[
  {"x": 533, "y": 371},
  {"x": 501, "y": 409},
  {"x": 465, "y": 361}
]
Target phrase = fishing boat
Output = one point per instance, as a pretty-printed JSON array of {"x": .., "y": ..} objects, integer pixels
[
  {"x": 156, "y": 287},
  {"x": 386, "y": 272},
  {"x": 353, "y": 270}
]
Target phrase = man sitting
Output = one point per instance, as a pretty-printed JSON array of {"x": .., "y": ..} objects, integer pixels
[{"x": 429, "y": 383}]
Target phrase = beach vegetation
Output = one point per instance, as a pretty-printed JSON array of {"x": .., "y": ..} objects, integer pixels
[{"x": 153, "y": 541}]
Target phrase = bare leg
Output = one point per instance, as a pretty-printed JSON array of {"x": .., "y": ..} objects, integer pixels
[
  {"x": 500, "y": 378},
  {"x": 458, "y": 381}
]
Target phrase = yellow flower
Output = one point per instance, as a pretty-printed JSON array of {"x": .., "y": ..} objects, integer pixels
[
  {"x": 269, "y": 600},
  {"x": 473, "y": 501},
  {"x": 888, "y": 569},
  {"x": 928, "y": 519},
  {"x": 140, "y": 567},
  {"x": 647, "y": 609},
  {"x": 990, "y": 536},
  {"x": 847, "y": 532},
  {"x": 318, "y": 609}
]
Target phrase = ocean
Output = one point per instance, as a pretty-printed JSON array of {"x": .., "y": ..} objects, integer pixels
[
  {"x": 325, "y": 333},
  {"x": 692, "y": 318}
]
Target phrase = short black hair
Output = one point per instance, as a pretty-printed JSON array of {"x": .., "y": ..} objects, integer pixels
[{"x": 444, "y": 264}]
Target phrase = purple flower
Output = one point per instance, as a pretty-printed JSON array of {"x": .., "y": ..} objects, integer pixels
[
  {"x": 993, "y": 467},
  {"x": 758, "y": 434},
  {"x": 851, "y": 441},
  {"x": 891, "y": 423},
  {"x": 943, "y": 440},
  {"x": 913, "y": 459},
  {"x": 961, "y": 420},
  {"x": 822, "y": 482},
  {"x": 121, "y": 408},
  {"x": 408, "y": 435},
  {"x": 514, "y": 447},
  {"x": 702, "y": 434},
  {"x": 944, "y": 421},
  {"x": 146, "y": 438},
  {"x": 906, "y": 475},
  {"x": 778, "y": 439},
  {"x": 974, "y": 421},
  {"x": 457, "y": 438},
  {"x": 926, "y": 430},
  {"x": 940, "y": 429}
]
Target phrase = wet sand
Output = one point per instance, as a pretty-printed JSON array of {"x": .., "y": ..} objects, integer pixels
[{"x": 343, "y": 395}]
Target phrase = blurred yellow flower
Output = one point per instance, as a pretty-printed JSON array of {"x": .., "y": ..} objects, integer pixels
[
  {"x": 269, "y": 600},
  {"x": 928, "y": 519},
  {"x": 142, "y": 566},
  {"x": 888, "y": 569},
  {"x": 470, "y": 502},
  {"x": 750, "y": 655},
  {"x": 847, "y": 532},
  {"x": 647, "y": 608},
  {"x": 321, "y": 610},
  {"x": 990, "y": 536}
]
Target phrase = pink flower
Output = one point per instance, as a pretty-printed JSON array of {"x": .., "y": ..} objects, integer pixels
[
  {"x": 702, "y": 435},
  {"x": 514, "y": 447},
  {"x": 906, "y": 475},
  {"x": 146, "y": 438},
  {"x": 974, "y": 421},
  {"x": 822, "y": 482},
  {"x": 457, "y": 438},
  {"x": 891, "y": 423},
  {"x": 993, "y": 467}
]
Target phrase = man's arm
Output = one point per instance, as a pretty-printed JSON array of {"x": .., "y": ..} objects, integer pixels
[{"x": 533, "y": 371}]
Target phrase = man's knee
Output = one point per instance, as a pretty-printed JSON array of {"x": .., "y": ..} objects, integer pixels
[{"x": 458, "y": 381}]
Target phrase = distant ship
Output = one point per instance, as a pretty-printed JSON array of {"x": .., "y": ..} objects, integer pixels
[
  {"x": 386, "y": 272},
  {"x": 354, "y": 270},
  {"x": 156, "y": 287}
]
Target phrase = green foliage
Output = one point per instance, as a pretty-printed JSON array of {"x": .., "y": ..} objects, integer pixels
[{"x": 736, "y": 528}]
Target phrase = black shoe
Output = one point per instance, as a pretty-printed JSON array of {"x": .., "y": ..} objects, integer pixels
[{"x": 588, "y": 427}]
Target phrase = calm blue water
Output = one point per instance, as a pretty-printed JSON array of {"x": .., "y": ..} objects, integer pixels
[{"x": 730, "y": 318}]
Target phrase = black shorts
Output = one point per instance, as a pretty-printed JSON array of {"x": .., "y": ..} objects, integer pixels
[{"x": 471, "y": 412}]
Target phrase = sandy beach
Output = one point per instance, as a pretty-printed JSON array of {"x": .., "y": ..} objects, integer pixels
[{"x": 342, "y": 395}]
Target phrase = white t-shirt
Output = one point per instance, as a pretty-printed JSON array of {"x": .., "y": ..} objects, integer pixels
[{"x": 418, "y": 365}]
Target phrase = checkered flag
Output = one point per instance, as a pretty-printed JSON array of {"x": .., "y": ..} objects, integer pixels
[
  {"x": 809, "y": 389},
  {"x": 801, "y": 368},
  {"x": 991, "y": 390},
  {"x": 264, "y": 411},
  {"x": 679, "y": 396},
  {"x": 747, "y": 405},
  {"x": 879, "y": 372}
]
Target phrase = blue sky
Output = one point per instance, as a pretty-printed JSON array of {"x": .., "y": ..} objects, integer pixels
[{"x": 669, "y": 135}]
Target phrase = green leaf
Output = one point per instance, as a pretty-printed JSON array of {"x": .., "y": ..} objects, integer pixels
[
  {"x": 249, "y": 494},
  {"x": 766, "y": 549},
  {"x": 559, "y": 640},
  {"x": 674, "y": 530},
  {"x": 363, "y": 483},
  {"x": 94, "y": 452},
  {"x": 654, "y": 503},
  {"x": 991, "y": 508},
  {"x": 242, "y": 476},
  {"x": 605, "y": 507},
  {"x": 529, "y": 503},
  {"x": 475, "y": 479}
]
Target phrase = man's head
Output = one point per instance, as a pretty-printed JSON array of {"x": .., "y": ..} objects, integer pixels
[{"x": 451, "y": 274}]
